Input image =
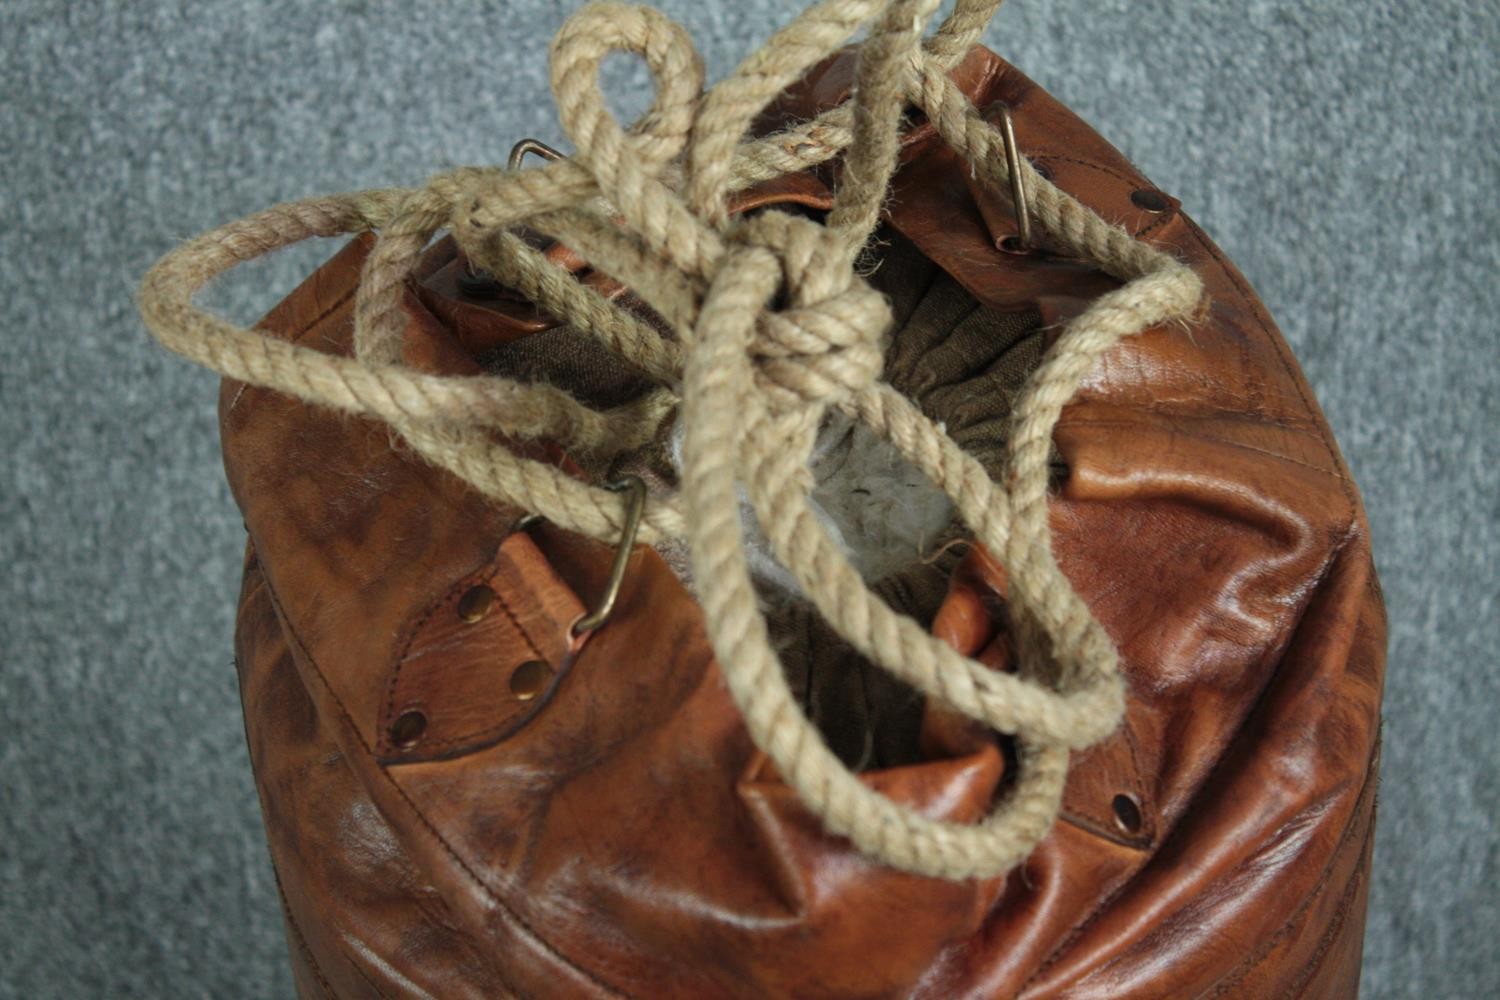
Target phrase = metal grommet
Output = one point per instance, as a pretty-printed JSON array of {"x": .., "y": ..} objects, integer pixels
[
  {"x": 530, "y": 679},
  {"x": 1128, "y": 813},
  {"x": 1150, "y": 200},
  {"x": 1013, "y": 244},
  {"x": 475, "y": 603},
  {"x": 408, "y": 728}
]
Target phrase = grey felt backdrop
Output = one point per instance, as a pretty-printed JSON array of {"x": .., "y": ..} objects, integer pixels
[{"x": 1344, "y": 154}]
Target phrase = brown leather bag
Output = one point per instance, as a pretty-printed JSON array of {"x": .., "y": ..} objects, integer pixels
[{"x": 459, "y": 804}]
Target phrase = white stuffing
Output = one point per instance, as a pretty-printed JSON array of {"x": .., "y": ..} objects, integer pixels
[{"x": 875, "y": 505}]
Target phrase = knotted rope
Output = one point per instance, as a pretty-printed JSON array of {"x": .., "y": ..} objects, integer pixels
[{"x": 773, "y": 327}]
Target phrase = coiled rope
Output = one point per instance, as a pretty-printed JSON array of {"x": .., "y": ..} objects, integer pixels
[{"x": 774, "y": 326}]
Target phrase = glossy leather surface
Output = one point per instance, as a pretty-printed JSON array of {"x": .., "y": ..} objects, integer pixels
[{"x": 620, "y": 836}]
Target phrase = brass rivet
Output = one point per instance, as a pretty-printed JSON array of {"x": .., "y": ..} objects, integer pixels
[
  {"x": 475, "y": 603},
  {"x": 1150, "y": 199},
  {"x": 1128, "y": 813},
  {"x": 408, "y": 729},
  {"x": 530, "y": 679}
]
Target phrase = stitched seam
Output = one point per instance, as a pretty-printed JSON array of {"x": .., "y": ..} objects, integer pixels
[
  {"x": 1236, "y": 975},
  {"x": 302, "y": 946},
  {"x": 337, "y": 304},
  {"x": 1306, "y": 428},
  {"x": 516, "y": 620},
  {"x": 1360, "y": 873},
  {"x": 1278, "y": 347},
  {"x": 434, "y": 910},
  {"x": 1335, "y": 926},
  {"x": 1048, "y": 158},
  {"x": 348, "y": 723},
  {"x": 252, "y": 580},
  {"x": 411, "y": 636},
  {"x": 1098, "y": 824},
  {"x": 1164, "y": 836},
  {"x": 474, "y": 739},
  {"x": 343, "y": 953},
  {"x": 1333, "y": 473},
  {"x": 359, "y": 970},
  {"x": 1058, "y": 158},
  {"x": 1165, "y": 217},
  {"x": 1134, "y": 181}
]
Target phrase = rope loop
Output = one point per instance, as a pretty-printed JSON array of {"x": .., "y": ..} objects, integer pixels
[
  {"x": 823, "y": 344},
  {"x": 769, "y": 325}
]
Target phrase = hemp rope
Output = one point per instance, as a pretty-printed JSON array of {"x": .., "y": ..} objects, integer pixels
[{"x": 774, "y": 327}]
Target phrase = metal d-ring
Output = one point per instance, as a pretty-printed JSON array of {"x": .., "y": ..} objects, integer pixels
[
  {"x": 1017, "y": 181},
  {"x": 634, "y": 489},
  {"x": 519, "y": 150}
]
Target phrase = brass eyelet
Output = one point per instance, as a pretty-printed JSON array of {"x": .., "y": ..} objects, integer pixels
[
  {"x": 406, "y": 732},
  {"x": 475, "y": 603},
  {"x": 1128, "y": 815},
  {"x": 1150, "y": 200}
]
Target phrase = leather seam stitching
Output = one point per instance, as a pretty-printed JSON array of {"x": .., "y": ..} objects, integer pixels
[
  {"x": 336, "y": 305},
  {"x": 482, "y": 736},
  {"x": 1162, "y": 218},
  {"x": 410, "y": 636},
  {"x": 348, "y": 721},
  {"x": 1280, "y": 349},
  {"x": 353, "y": 730},
  {"x": 1163, "y": 836},
  {"x": 1332, "y": 473},
  {"x": 1336, "y": 925},
  {"x": 516, "y": 621},
  {"x": 301, "y": 941},
  {"x": 1233, "y": 978},
  {"x": 296, "y": 337},
  {"x": 1306, "y": 428},
  {"x": 1097, "y": 824},
  {"x": 432, "y": 908}
]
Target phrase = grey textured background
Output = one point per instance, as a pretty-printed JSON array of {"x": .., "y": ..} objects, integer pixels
[{"x": 1344, "y": 154}]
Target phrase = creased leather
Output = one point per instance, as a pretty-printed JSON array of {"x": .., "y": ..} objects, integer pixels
[{"x": 628, "y": 840}]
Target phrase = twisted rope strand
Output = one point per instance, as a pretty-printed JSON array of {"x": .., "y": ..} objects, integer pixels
[{"x": 772, "y": 326}]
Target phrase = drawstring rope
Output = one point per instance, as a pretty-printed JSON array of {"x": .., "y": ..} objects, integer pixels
[{"x": 774, "y": 328}]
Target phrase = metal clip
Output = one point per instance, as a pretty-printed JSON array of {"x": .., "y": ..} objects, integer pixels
[
  {"x": 1017, "y": 181},
  {"x": 634, "y": 489},
  {"x": 519, "y": 150},
  {"x": 482, "y": 284}
]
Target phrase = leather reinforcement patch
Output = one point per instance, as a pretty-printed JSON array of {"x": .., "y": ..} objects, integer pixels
[{"x": 480, "y": 661}]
